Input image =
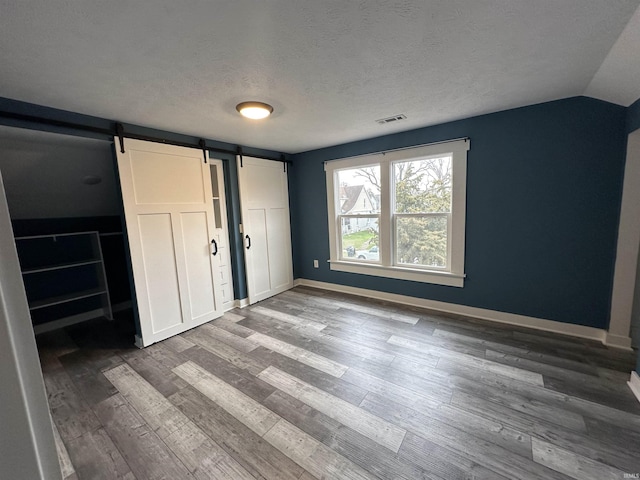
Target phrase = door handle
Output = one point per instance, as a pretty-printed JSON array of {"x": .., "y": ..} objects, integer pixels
[
  {"x": 215, "y": 245},
  {"x": 248, "y": 238}
]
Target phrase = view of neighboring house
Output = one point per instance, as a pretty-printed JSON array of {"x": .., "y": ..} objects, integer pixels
[{"x": 357, "y": 200}]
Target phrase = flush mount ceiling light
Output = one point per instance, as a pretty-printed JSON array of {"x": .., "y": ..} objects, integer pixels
[{"x": 254, "y": 110}]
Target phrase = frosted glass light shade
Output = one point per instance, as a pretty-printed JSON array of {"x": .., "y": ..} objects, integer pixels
[{"x": 254, "y": 110}]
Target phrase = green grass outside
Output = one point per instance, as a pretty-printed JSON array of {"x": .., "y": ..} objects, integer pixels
[{"x": 359, "y": 240}]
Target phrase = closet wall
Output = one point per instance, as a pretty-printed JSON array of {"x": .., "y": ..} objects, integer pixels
[{"x": 59, "y": 184}]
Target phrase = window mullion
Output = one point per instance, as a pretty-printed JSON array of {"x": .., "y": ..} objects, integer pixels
[{"x": 386, "y": 242}]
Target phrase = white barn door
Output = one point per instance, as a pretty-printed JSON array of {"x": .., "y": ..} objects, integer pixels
[
  {"x": 264, "y": 199},
  {"x": 166, "y": 192}
]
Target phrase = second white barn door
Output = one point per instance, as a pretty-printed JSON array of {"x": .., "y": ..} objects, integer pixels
[
  {"x": 264, "y": 199},
  {"x": 166, "y": 192}
]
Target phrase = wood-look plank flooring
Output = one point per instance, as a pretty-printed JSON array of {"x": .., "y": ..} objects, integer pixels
[{"x": 313, "y": 384}]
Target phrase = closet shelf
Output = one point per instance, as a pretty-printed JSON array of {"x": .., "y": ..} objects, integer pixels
[
  {"x": 60, "y": 266},
  {"x": 61, "y": 269},
  {"x": 48, "y": 302}
]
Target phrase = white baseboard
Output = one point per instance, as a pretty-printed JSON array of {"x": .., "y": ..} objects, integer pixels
[
  {"x": 634, "y": 384},
  {"x": 481, "y": 313},
  {"x": 66, "y": 321},
  {"x": 617, "y": 341},
  {"x": 243, "y": 302}
]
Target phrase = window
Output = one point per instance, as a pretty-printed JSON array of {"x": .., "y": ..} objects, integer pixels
[{"x": 400, "y": 214}]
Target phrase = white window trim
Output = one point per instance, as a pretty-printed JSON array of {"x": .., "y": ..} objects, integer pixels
[{"x": 455, "y": 275}]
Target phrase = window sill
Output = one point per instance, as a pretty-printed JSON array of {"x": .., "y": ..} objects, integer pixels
[{"x": 412, "y": 274}]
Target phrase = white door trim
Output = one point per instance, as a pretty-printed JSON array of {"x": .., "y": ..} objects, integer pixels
[{"x": 624, "y": 279}]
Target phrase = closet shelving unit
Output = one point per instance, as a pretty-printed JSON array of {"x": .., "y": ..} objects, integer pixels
[{"x": 64, "y": 278}]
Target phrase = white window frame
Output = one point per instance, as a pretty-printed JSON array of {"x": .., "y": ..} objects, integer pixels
[{"x": 453, "y": 275}]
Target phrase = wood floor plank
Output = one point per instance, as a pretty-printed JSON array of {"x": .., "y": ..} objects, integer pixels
[
  {"x": 245, "y": 409},
  {"x": 427, "y": 411},
  {"x": 612, "y": 453},
  {"x": 284, "y": 317},
  {"x": 554, "y": 406},
  {"x": 66, "y": 467},
  {"x": 442, "y": 462},
  {"x": 438, "y": 389},
  {"x": 94, "y": 456},
  {"x": 333, "y": 385},
  {"x": 178, "y": 343},
  {"x": 376, "y": 311},
  {"x": 529, "y": 400},
  {"x": 52, "y": 345},
  {"x": 501, "y": 347},
  {"x": 144, "y": 452},
  {"x": 363, "y": 351},
  {"x": 603, "y": 431},
  {"x": 347, "y": 442},
  {"x": 204, "y": 458},
  {"x": 307, "y": 340},
  {"x": 316, "y": 424},
  {"x": 390, "y": 390},
  {"x": 378, "y": 430},
  {"x": 619, "y": 397},
  {"x": 294, "y": 443},
  {"x": 232, "y": 327},
  {"x": 344, "y": 344},
  {"x": 86, "y": 375},
  {"x": 70, "y": 412},
  {"x": 224, "y": 351},
  {"x": 301, "y": 355},
  {"x": 575, "y": 466},
  {"x": 242, "y": 344},
  {"x": 313, "y": 456},
  {"x": 486, "y": 453},
  {"x": 507, "y": 371},
  {"x": 236, "y": 377},
  {"x": 162, "y": 378},
  {"x": 234, "y": 317},
  {"x": 255, "y": 454}
]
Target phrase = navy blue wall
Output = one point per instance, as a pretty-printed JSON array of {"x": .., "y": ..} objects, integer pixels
[
  {"x": 543, "y": 197},
  {"x": 633, "y": 116}
]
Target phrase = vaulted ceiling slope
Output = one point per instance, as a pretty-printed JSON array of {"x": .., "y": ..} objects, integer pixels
[{"x": 330, "y": 68}]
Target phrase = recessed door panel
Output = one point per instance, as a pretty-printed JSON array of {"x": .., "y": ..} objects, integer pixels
[
  {"x": 197, "y": 255},
  {"x": 161, "y": 275},
  {"x": 180, "y": 177},
  {"x": 258, "y": 253},
  {"x": 279, "y": 251}
]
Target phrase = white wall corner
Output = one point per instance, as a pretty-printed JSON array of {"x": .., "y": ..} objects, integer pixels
[
  {"x": 618, "y": 341},
  {"x": 624, "y": 278},
  {"x": 634, "y": 384}
]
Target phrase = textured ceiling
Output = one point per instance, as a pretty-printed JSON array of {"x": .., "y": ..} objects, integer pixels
[{"x": 330, "y": 68}]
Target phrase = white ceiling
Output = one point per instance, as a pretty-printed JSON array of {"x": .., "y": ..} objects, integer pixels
[{"x": 330, "y": 68}]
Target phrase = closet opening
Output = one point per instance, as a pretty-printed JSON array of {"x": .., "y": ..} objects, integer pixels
[{"x": 65, "y": 212}]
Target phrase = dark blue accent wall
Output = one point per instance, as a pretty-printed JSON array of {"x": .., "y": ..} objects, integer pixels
[
  {"x": 633, "y": 116},
  {"x": 544, "y": 186}
]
